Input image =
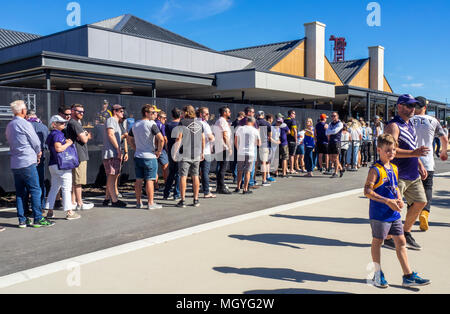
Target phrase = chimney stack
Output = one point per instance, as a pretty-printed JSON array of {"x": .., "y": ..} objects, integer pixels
[
  {"x": 315, "y": 50},
  {"x": 376, "y": 55}
]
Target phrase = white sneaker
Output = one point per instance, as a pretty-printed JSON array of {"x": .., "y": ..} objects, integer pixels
[
  {"x": 140, "y": 206},
  {"x": 85, "y": 206},
  {"x": 154, "y": 206}
]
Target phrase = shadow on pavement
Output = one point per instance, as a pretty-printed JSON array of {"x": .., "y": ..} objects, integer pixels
[
  {"x": 285, "y": 275},
  {"x": 283, "y": 239},
  {"x": 356, "y": 221},
  {"x": 292, "y": 291}
]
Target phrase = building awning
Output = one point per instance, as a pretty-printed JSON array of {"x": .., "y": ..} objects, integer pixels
[
  {"x": 262, "y": 86},
  {"x": 88, "y": 70}
]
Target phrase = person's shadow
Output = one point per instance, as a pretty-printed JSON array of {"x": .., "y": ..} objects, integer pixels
[
  {"x": 356, "y": 221},
  {"x": 285, "y": 274},
  {"x": 284, "y": 239}
]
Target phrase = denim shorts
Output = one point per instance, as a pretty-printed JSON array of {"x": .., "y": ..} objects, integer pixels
[
  {"x": 164, "y": 158},
  {"x": 146, "y": 169},
  {"x": 300, "y": 149}
]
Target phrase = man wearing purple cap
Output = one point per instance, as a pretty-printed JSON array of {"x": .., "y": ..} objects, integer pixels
[{"x": 411, "y": 169}]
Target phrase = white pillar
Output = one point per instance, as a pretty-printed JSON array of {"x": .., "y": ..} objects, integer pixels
[
  {"x": 315, "y": 50},
  {"x": 376, "y": 55}
]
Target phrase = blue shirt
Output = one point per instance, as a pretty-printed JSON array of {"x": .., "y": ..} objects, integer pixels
[
  {"x": 23, "y": 142},
  {"x": 42, "y": 133},
  {"x": 322, "y": 137},
  {"x": 386, "y": 186}
]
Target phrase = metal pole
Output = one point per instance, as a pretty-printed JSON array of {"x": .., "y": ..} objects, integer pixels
[
  {"x": 387, "y": 110},
  {"x": 49, "y": 96},
  {"x": 349, "y": 108},
  {"x": 368, "y": 107}
]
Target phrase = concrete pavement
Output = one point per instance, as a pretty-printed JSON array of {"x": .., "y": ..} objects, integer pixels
[{"x": 317, "y": 248}]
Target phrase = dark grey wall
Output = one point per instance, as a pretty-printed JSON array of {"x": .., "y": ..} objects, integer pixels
[{"x": 73, "y": 42}]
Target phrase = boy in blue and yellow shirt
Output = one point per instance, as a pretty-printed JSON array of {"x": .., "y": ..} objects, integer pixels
[{"x": 386, "y": 204}]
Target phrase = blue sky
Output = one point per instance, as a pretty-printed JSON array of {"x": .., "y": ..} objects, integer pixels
[{"x": 415, "y": 33}]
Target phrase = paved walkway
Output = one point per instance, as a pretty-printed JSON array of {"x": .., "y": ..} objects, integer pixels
[{"x": 322, "y": 247}]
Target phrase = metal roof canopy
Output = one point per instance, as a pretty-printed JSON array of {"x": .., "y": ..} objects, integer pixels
[{"x": 89, "y": 68}]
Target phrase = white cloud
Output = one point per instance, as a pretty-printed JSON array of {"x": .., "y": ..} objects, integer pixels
[
  {"x": 413, "y": 85},
  {"x": 190, "y": 10}
]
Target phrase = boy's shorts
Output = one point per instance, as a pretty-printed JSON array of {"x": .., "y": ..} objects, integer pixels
[
  {"x": 164, "y": 158},
  {"x": 381, "y": 230}
]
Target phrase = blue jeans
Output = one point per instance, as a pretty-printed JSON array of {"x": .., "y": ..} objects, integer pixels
[
  {"x": 41, "y": 173},
  {"x": 205, "y": 167},
  {"x": 352, "y": 155},
  {"x": 27, "y": 181},
  {"x": 309, "y": 159},
  {"x": 173, "y": 177}
]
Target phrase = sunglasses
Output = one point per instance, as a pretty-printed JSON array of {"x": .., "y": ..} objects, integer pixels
[
  {"x": 410, "y": 106},
  {"x": 79, "y": 112}
]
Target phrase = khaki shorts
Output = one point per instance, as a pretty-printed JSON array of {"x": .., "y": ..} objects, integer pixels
[
  {"x": 412, "y": 191},
  {"x": 80, "y": 174},
  {"x": 264, "y": 154}
]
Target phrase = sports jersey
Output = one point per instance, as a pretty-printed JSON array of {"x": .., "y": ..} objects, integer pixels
[
  {"x": 427, "y": 128},
  {"x": 407, "y": 140},
  {"x": 385, "y": 186}
]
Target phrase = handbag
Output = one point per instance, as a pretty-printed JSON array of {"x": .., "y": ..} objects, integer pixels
[{"x": 68, "y": 159}]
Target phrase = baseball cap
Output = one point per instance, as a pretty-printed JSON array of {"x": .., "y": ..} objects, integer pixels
[
  {"x": 117, "y": 107},
  {"x": 408, "y": 100},
  {"x": 261, "y": 113},
  {"x": 57, "y": 119},
  {"x": 155, "y": 109},
  {"x": 423, "y": 102},
  {"x": 106, "y": 101},
  {"x": 323, "y": 116}
]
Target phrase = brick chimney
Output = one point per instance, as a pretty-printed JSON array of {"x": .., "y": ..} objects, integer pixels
[
  {"x": 315, "y": 50},
  {"x": 376, "y": 55}
]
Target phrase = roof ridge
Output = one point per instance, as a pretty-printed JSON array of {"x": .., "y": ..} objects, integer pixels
[
  {"x": 353, "y": 60},
  {"x": 13, "y": 31},
  {"x": 265, "y": 45},
  {"x": 166, "y": 30}
]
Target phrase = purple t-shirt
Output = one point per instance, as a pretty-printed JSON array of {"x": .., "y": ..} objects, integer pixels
[
  {"x": 161, "y": 127},
  {"x": 54, "y": 137},
  {"x": 408, "y": 168},
  {"x": 283, "y": 135}
]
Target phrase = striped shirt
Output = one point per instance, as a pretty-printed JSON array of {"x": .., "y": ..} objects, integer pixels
[{"x": 408, "y": 167}]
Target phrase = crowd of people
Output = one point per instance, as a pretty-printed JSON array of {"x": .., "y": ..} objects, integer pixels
[
  {"x": 188, "y": 145},
  {"x": 401, "y": 156}
]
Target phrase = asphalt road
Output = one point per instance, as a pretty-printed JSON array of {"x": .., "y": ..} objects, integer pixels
[{"x": 102, "y": 228}]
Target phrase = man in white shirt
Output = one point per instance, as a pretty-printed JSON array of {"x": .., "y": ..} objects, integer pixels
[
  {"x": 427, "y": 128},
  {"x": 247, "y": 138},
  {"x": 205, "y": 166},
  {"x": 223, "y": 148}
]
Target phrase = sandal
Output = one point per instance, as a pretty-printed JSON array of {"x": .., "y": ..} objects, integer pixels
[{"x": 210, "y": 195}]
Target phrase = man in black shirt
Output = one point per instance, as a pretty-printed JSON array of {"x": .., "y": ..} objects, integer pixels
[
  {"x": 189, "y": 151},
  {"x": 292, "y": 138}
]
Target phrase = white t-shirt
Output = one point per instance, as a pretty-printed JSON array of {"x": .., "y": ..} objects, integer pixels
[
  {"x": 247, "y": 137},
  {"x": 427, "y": 128},
  {"x": 345, "y": 138},
  {"x": 356, "y": 135},
  {"x": 220, "y": 127},
  {"x": 208, "y": 132}
]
